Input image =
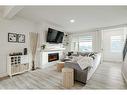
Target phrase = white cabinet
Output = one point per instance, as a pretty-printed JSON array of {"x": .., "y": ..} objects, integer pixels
[{"x": 17, "y": 64}]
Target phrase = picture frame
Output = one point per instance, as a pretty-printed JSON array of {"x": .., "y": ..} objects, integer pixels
[
  {"x": 16, "y": 38},
  {"x": 12, "y": 37},
  {"x": 20, "y": 38}
]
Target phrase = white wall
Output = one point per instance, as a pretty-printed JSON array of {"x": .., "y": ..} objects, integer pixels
[{"x": 16, "y": 25}]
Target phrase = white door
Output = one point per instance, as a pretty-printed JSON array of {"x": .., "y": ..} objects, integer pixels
[{"x": 113, "y": 40}]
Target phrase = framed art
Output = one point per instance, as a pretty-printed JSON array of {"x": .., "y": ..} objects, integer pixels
[
  {"x": 21, "y": 38},
  {"x": 12, "y": 37}
]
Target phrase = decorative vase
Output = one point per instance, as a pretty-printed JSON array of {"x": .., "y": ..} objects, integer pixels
[
  {"x": 33, "y": 65},
  {"x": 43, "y": 47}
]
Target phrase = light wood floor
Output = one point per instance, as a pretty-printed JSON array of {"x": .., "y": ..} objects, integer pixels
[{"x": 107, "y": 76}]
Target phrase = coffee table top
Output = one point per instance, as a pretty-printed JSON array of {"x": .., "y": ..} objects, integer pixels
[
  {"x": 61, "y": 62},
  {"x": 67, "y": 70}
]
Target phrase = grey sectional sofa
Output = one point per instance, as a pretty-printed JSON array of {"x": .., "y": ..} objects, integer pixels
[{"x": 84, "y": 75}]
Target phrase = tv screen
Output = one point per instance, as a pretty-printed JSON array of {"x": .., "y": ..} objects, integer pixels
[{"x": 54, "y": 36}]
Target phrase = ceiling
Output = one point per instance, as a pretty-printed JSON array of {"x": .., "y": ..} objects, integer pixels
[{"x": 86, "y": 17}]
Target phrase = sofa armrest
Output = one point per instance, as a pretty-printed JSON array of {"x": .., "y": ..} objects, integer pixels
[{"x": 73, "y": 65}]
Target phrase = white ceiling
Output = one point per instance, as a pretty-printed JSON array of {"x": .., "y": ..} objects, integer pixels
[{"x": 86, "y": 17}]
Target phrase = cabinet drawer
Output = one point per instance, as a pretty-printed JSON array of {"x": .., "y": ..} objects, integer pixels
[
  {"x": 24, "y": 59},
  {"x": 27, "y": 66}
]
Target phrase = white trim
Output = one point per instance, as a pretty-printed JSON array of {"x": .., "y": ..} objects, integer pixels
[{"x": 3, "y": 74}]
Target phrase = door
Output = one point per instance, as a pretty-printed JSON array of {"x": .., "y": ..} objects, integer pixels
[{"x": 113, "y": 40}]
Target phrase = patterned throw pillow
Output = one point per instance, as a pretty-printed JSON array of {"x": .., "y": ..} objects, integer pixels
[{"x": 92, "y": 55}]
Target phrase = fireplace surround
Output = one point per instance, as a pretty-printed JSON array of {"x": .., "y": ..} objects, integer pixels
[{"x": 50, "y": 57}]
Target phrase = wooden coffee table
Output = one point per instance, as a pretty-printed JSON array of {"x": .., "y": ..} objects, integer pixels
[{"x": 60, "y": 65}]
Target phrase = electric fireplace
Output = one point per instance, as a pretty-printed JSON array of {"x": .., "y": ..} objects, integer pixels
[{"x": 53, "y": 57}]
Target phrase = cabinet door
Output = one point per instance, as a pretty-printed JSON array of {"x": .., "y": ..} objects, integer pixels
[
  {"x": 27, "y": 66},
  {"x": 12, "y": 69},
  {"x": 24, "y": 59},
  {"x": 15, "y": 68},
  {"x": 24, "y": 67}
]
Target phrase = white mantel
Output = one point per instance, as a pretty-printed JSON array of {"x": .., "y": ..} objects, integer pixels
[{"x": 52, "y": 49}]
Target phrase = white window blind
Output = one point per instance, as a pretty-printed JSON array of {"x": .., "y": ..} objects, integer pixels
[
  {"x": 85, "y": 43},
  {"x": 85, "y": 38},
  {"x": 81, "y": 43}
]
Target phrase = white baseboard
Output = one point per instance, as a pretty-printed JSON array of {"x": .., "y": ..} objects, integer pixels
[
  {"x": 112, "y": 61},
  {"x": 124, "y": 77},
  {"x": 3, "y": 75}
]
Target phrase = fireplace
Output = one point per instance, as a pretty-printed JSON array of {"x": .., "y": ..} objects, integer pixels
[{"x": 53, "y": 57}]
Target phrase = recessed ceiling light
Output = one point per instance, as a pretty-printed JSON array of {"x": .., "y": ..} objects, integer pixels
[{"x": 72, "y": 20}]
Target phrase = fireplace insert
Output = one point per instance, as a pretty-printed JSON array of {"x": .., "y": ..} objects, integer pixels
[{"x": 53, "y": 57}]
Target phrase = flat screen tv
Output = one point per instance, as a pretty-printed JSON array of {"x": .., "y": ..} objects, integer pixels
[
  {"x": 54, "y": 36},
  {"x": 125, "y": 49}
]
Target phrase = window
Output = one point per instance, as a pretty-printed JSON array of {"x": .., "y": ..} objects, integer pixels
[
  {"x": 116, "y": 44},
  {"x": 85, "y": 43},
  {"x": 85, "y": 46},
  {"x": 81, "y": 43}
]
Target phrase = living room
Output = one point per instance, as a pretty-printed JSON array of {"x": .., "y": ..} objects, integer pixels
[{"x": 46, "y": 43}]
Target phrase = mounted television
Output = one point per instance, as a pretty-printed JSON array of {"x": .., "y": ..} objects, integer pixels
[
  {"x": 54, "y": 36},
  {"x": 125, "y": 49}
]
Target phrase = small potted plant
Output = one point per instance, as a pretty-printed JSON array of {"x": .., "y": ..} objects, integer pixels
[{"x": 43, "y": 46}]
